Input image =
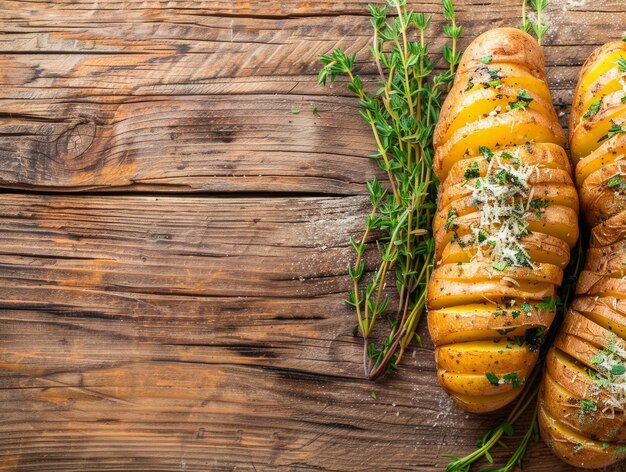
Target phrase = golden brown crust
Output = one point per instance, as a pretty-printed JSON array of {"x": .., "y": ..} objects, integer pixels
[
  {"x": 612, "y": 150},
  {"x": 591, "y": 131},
  {"x": 543, "y": 155},
  {"x": 573, "y": 448},
  {"x": 513, "y": 128},
  {"x": 508, "y": 45},
  {"x": 597, "y": 56},
  {"x": 580, "y": 419},
  {"x": 472, "y": 105},
  {"x": 498, "y": 117},
  {"x": 603, "y": 193},
  {"x": 541, "y": 247},
  {"x": 610, "y": 231}
]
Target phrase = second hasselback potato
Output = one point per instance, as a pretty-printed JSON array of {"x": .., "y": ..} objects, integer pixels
[
  {"x": 583, "y": 394},
  {"x": 507, "y": 217}
]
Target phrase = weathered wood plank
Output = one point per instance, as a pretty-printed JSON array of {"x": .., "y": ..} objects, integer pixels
[
  {"x": 139, "y": 334},
  {"x": 159, "y": 333},
  {"x": 77, "y": 117},
  {"x": 224, "y": 143}
]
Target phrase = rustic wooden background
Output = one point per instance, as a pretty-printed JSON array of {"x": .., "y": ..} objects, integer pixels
[{"x": 173, "y": 238}]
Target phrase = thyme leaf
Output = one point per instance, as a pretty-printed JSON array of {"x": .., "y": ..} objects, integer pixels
[{"x": 401, "y": 114}]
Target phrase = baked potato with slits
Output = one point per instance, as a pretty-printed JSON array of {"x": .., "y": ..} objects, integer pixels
[
  {"x": 583, "y": 392},
  {"x": 506, "y": 219}
]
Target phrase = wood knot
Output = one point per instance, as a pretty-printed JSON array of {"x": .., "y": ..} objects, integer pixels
[{"x": 73, "y": 143}]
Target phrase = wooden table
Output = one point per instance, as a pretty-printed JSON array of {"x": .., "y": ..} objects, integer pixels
[{"x": 174, "y": 238}]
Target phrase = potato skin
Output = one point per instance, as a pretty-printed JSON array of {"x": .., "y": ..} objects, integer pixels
[
  {"x": 597, "y": 58},
  {"x": 484, "y": 99},
  {"x": 504, "y": 45},
  {"x": 514, "y": 128},
  {"x": 611, "y": 151},
  {"x": 485, "y": 319},
  {"x": 579, "y": 420}
]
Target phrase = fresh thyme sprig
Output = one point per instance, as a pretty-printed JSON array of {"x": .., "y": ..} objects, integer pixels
[
  {"x": 402, "y": 113},
  {"x": 538, "y": 27},
  {"x": 531, "y": 388}
]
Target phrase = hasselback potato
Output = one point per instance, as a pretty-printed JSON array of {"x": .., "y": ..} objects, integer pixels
[
  {"x": 583, "y": 393},
  {"x": 507, "y": 217}
]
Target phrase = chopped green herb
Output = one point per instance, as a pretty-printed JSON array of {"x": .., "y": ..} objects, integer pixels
[
  {"x": 513, "y": 379},
  {"x": 548, "y": 304},
  {"x": 618, "y": 369},
  {"x": 500, "y": 265},
  {"x": 470, "y": 86},
  {"x": 621, "y": 64},
  {"x": 493, "y": 378},
  {"x": 493, "y": 73},
  {"x": 593, "y": 110},
  {"x": 472, "y": 171},
  {"x": 616, "y": 183},
  {"x": 527, "y": 307},
  {"x": 515, "y": 313},
  {"x": 522, "y": 101},
  {"x": 586, "y": 407},
  {"x": 539, "y": 204},
  {"x": 373, "y": 394},
  {"x": 615, "y": 129},
  {"x": 486, "y": 59},
  {"x": 486, "y": 152},
  {"x": 598, "y": 358},
  {"x": 452, "y": 215},
  {"x": 295, "y": 111}
]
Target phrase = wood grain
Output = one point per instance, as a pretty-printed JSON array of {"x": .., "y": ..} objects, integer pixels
[
  {"x": 140, "y": 317},
  {"x": 221, "y": 91},
  {"x": 137, "y": 334},
  {"x": 184, "y": 309}
]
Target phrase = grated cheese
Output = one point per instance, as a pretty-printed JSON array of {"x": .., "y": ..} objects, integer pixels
[
  {"x": 611, "y": 386},
  {"x": 503, "y": 198}
]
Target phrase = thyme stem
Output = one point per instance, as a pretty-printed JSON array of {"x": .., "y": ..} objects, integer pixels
[{"x": 400, "y": 114}]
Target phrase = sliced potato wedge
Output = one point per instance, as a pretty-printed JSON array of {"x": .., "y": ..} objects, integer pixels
[
  {"x": 484, "y": 403},
  {"x": 586, "y": 418},
  {"x": 612, "y": 150},
  {"x": 444, "y": 293},
  {"x": 574, "y": 448},
  {"x": 480, "y": 103},
  {"x": 543, "y": 155},
  {"x": 603, "y": 193},
  {"x": 508, "y": 45},
  {"x": 515, "y": 127},
  {"x": 590, "y": 133},
  {"x": 484, "y": 322},
  {"x": 541, "y": 248},
  {"x": 478, "y": 357}
]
